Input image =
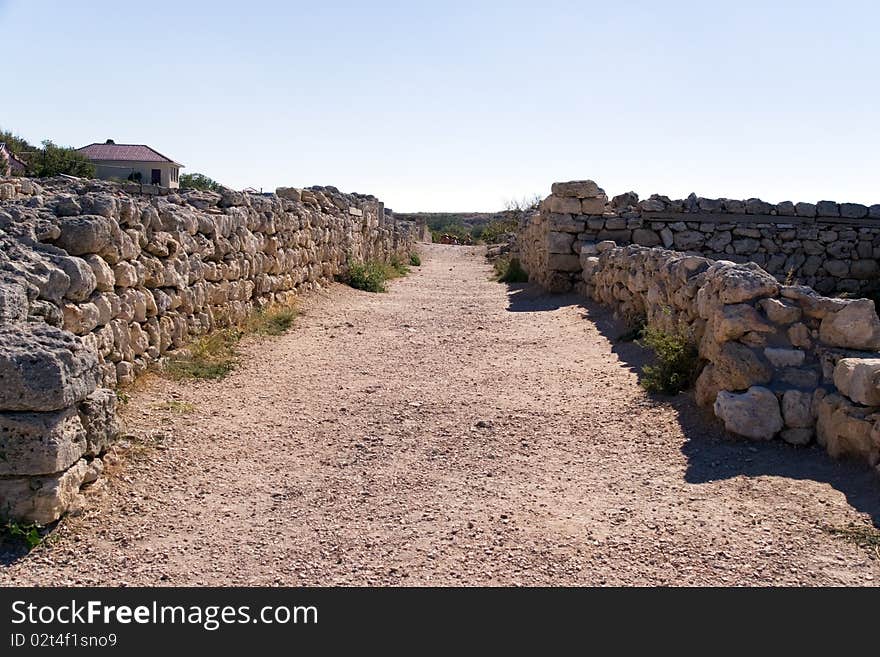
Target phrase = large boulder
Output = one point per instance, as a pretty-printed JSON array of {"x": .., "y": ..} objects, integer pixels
[
  {"x": 44, "y": 499},
  {"x": 754, "y": 413},
  {"x": 855, "y": 326},
  {"x": 577, "y": 189},
  {"x": 13, "y": 303},
  {"x": 846, "y": 430},
  {"x": 43, "y": 368},
  {"x": 40, "y": 443},
  {"x": 859, "y": 379}
]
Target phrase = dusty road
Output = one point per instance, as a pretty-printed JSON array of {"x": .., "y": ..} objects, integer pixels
[{"x": 452, "y": 431}]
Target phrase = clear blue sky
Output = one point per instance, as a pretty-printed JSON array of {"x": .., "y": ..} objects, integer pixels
[{"x": 461, "y": 105}]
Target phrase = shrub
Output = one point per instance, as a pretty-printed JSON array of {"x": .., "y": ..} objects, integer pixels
[
  {"x": 372, "y": 275},
  {"x": 676, "y": 361},
  {"x": 199, "y": 181},
  {"x": 52, "y": 160},
  {"x": 415, "y": 260},
  {"x": 509, "y": 270},
  {"x": 367, "y": 276},
  {"x": 210, "y": 357},
  {"x": 271, "y": 321}
]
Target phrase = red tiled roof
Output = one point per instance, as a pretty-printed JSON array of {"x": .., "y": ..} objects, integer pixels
[{"x": 133, "y": 152}]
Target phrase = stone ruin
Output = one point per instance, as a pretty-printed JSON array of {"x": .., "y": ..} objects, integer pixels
[
  {"x": 780, "y": 359},
  {"x": 99, "y": 282}
]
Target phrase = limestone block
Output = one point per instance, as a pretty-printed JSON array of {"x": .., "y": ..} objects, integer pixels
[
  {"x": 576, "y": 189},
  {"x": 82, "y": 280},
  {"x": 735, "y": 320},
  {"x": 560, "y": 262},
  {"x": 40, "y": 443},
  {"x": 754, "y": 413},
  {"x": 97, "y": 412},
  {"x": 847, "y": 430},
  {"x": 859, "y": 379},
  {"x": 779, "y": 311},
  {"x": 43, "y": 499},
  {"x": 564, "y": 223},
  {"x": 797, "y": 409},
  {"x": 737, "y": 367},
  {"x": 781, "y": 357},
  {"x": 797, "y": 436},
  {"x": 559, "y": 242},
  {"x": 13, "y": 303},
  {"x": 105, "y": 280},
  {"x": 565, "y": 205},
  {"x": 85, "y": 234},
  {"x": 594, "y": 205},
  {"x": 855, "y": 326},
  {"x": 646, "y": 237}
]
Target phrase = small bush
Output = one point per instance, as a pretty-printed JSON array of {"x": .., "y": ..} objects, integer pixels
[
  {"x": 271, "y": 321},
  {"x": 367, "y": 276},
  {"x": 677, "y": 361},
  {"x": 210, "y": 357},
  {"x": 28, "y": 533},
  {"x": 509, "y": 270},
  {"x": 415, "y": 260},
  {"x": 371, "y": 276}
]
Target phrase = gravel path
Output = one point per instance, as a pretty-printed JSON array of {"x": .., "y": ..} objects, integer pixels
[{"x": 452, "y": 431}]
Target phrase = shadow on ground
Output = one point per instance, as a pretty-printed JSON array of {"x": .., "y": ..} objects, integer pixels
[{"x": 713, "y": 454}]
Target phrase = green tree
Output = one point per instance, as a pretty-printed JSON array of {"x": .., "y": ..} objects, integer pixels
[
  {"x": 52, "y": 160},
  {"x": 199, "y": 181},
  {"x": 16, "y": 145}
]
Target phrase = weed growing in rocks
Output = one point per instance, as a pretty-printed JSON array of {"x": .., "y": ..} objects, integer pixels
[
  {"x": 27, "y": 534},
  {"x": 676, "y": 361},
  {"x": 509, "y": 270},
  {"x": 271, "y": 321},
  {"x": 862, "y": 535},
  {"x": 415, "y": 260},
  {"x": 372, "y": 276},
  {"x": 213, "y": 356},
  {"x": 179, "y": 407}
]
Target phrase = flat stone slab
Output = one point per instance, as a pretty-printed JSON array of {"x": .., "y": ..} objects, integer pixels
[{"x": 43, "y": 368}]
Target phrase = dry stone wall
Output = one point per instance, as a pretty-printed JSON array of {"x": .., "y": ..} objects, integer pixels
[
  {"x": 97, "y": 283},
  {"x": 829, "y": 246},
  {"x": 779, "y": 361}
]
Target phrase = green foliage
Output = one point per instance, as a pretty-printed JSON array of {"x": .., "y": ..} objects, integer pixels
[
  {"x": 509, "y": 270},
  {"x": 27, "y": 533},
  {"x": 415, "y": 259},
  {"x": 199, "y": 181},
  {"x": 367, "y": 276},
  {"x": 676, "y": 361},
  {"x": 373, "y": 275},
  {"x": 272, "y": 321},
  {"x": 458, "y": 231},
  {"x": 17, "y": 145},
  {"x": 494, "y": 231},
  {"x": 862, "y": 535},
  {"x": 636, "y": 331},
  {"x": 210, "y": 357},
  {"x": 52, "y": 160}
]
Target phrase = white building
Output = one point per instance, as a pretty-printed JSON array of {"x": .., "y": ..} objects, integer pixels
[{"x": 135, "y": 162}]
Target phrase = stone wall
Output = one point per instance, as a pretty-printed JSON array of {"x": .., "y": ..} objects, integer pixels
[
  {"x": 777, "y": 360},
  {"x": 96, "y": 284},
  {"x": 832, "y": 247}
]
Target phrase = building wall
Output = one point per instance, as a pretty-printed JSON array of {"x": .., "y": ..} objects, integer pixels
[{"x": 123, "y": 168}]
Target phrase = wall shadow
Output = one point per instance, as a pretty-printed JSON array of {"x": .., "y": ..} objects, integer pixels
[
  {"x": 529, "y": 298},
  {"x": 712, "y": 453}
]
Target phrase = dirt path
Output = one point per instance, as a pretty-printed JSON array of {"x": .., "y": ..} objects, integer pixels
[{"x": 451, "y": 432}]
